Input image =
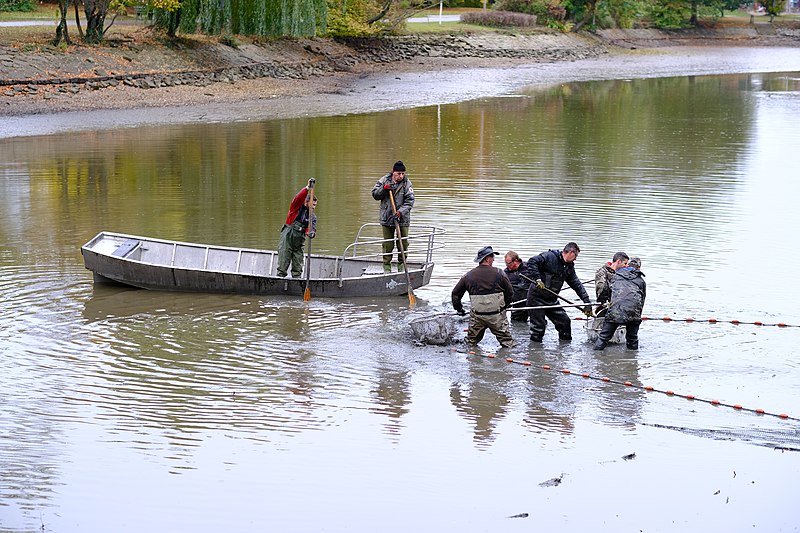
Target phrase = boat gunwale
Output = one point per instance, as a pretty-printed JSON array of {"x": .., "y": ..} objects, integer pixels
[{"x": 337, "y": 260}]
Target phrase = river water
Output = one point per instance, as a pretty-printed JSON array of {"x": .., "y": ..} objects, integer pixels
[{"x": 125, "y": 410}]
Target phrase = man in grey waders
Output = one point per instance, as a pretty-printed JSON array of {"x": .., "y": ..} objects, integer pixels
[{"x": 490, "y": 294}]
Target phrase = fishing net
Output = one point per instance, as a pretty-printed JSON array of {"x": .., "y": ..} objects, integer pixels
[
  {"x": 593, "y": 327},
  {"x": 787, "y": 439},
  {"x": 439, "y": 329}
]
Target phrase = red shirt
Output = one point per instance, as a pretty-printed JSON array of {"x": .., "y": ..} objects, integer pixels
[{"x": 296, "y": 205}]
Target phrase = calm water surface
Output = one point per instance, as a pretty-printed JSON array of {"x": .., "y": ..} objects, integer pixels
[{"x": 125, "y": 410}]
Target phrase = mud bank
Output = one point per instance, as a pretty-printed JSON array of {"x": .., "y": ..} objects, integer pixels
[{"x": 210, "y": 82}]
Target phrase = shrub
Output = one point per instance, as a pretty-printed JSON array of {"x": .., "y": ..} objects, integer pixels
[
  {"x": 352, "y": 21},
  {"x": 499, "y": 18},
  {"x": 17, "y": 5},
  {"x": 544, "y": 10},
  {"x": 669, "y": 14}
]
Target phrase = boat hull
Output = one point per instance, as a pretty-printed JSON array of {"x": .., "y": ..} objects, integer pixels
[{"x": 331, "y": 276}]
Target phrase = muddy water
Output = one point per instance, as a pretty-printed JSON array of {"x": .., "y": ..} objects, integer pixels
[{"x": 128, "y": 410}]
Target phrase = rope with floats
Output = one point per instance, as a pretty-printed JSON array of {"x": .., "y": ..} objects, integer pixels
[
  {"x": 691, "y": 397},
  {"x": 663, "y": 319},
  {"x": 714, "y": 321}
]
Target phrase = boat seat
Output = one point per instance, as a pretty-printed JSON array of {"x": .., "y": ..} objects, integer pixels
[
  {"x": 126, "y": 247},
  {"x": 373, "y": 270}
]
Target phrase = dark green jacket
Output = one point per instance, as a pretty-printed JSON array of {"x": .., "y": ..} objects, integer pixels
[
  {"x": 628, "y": 292},
  {"x": 403, "y": 200}
]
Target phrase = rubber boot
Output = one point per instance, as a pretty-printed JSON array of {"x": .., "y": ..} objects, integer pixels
[{"x": 600, "y": 344}]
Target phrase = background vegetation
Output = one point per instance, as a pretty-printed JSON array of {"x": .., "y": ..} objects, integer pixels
[{"x": 308, "y": 18}]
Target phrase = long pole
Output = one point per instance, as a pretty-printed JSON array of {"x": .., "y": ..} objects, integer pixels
[
  {"x": 548, "y": 290},
  {"x": 556, "y": 306},
  {"x": 412, "y": 300},
  {"x": 310, "y": 201}
]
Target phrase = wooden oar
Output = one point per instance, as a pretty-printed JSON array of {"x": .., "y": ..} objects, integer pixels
[
  {"x": 412, "y": 300},
  {"x": 310, "y": 200}
]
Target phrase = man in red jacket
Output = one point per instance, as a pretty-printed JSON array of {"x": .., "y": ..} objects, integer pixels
[{"x": 299, "y": 222}]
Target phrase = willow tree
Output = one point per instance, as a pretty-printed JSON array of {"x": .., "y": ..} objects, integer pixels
[{"x": 274, "y": 18}]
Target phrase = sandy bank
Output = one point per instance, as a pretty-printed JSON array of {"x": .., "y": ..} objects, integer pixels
[{"x": 341, "y": 81}]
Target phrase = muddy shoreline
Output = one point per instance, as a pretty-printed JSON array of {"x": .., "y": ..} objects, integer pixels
[{"x": 341, "y": 79}]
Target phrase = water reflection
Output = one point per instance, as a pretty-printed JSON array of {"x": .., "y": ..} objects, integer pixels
[
  {"x": 189, "y": 391},
  {"x": 392, "y": 395},
  {"x": 482, "y": 398}
]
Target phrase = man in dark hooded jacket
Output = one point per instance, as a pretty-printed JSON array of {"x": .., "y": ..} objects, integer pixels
[
  {"x": 394, "y": 186},
  {"x": 550, "y": 270},
  {"x": 628, "y": 292}
]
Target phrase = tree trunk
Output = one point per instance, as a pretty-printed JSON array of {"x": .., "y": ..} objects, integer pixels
[
  {"x": 61, "y": 29},
  {"x": 95, "y": 19},
  {"x": 173, "y": 21},
  {"x": 385, "y": 9},
  {"x": 78, "y": 20},
  {"x": 590, "y": 10}
]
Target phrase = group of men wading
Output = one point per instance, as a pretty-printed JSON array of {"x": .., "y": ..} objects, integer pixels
[
  {"x": 532, "y": 288},
  {"x": 535, "y": 287}
]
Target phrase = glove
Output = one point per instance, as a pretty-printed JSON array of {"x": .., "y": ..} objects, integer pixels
[
  {"x": 387, "y": 186},
  {"x": 539, "y": 284},
  {"x": 461, "y": 312},
  {"x": 587, "y": 310},
  {"x": 398, "y": 215},
  {"x": 311, "y": 183},
  {"x": 312, "y": 234}
]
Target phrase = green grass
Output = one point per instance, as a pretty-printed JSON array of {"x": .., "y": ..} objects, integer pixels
[{"x": 42, "y": 12}]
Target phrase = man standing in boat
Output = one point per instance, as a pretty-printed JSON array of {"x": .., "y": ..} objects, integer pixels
[
  {"x": 490, "y": 294},
  {"x": 550, "y": 270},
  {"x": 293, "y": 234},
  {"x": 602, "y": 279},
  {"x": 628, "y": 292},
  {"x": 396, "y": 195}
]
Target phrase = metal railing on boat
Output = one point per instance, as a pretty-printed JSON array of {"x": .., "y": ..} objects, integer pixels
[{"x": 428, "y": 234}]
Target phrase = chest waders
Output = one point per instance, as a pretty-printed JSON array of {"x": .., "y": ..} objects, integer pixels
[{"x": 486, "y": 312}]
